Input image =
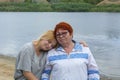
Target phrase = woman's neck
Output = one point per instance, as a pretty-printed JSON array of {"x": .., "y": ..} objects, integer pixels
[{"x": 68, "y": 47}]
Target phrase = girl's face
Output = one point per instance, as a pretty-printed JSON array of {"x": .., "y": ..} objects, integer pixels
[{"x": 47, "y": 44}]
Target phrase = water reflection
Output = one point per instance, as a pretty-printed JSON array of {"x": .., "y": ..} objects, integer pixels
[
  {"x": 113, "y": 33},
  {"x": 113, "y": 29}
]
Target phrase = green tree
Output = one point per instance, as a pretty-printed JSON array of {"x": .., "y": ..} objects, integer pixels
[
  {"x": 28, "y": 1},
  {"x": 66, "y": 1},
  {"x": 92, "y": 1}
]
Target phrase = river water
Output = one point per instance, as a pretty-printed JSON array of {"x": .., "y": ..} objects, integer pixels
[{"x": 101, "y": 31}]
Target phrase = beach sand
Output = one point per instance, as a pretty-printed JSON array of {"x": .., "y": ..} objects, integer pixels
[{"x": 7, "y": 68}]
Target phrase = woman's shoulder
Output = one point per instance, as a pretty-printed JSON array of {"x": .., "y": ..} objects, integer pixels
[
  {"x": 26, "y": 48},
  {"x": 81, "y": 47},
  {"x": 51, "y": 52}
]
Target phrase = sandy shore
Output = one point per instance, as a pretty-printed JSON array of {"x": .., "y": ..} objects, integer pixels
[{"x": 7, "y": 67}]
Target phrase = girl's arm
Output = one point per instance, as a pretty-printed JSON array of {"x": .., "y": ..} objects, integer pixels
[{"x": 29, "y": 75}]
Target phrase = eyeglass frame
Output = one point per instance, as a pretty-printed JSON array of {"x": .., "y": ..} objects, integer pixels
[{"x": 58, "y": 35}]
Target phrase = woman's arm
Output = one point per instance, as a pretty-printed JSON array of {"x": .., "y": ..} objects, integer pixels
[{"x": 93, "y": 70}]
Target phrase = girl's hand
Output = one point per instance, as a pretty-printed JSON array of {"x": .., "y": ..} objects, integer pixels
[{"x": 83, "y": 43}]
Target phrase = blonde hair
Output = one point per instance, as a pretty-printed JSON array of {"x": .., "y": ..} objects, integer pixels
[{"x": 47, "y": 36}]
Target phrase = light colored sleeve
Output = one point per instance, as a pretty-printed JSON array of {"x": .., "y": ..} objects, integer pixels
[
  {"x": 93, "y": 71},
  {"x": 24, "y": 60},
  {"x": 47, "y": 70}
]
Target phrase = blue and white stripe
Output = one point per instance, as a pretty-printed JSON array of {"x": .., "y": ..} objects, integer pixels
[{"x": 78, "y": 65}]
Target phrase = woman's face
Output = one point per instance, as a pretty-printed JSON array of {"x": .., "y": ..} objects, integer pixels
[
  {"x": 47, "y": 44},
  {"x": 63, "y": 36}
]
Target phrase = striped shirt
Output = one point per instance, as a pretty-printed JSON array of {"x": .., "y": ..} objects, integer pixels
[{"x": 78, "y": 65}]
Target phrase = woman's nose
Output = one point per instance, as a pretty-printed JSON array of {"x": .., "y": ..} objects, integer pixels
[{"x": 61, "y": 36}]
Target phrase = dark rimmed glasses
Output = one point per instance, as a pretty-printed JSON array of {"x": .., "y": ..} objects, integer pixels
[{"x": 63, "y": 34}]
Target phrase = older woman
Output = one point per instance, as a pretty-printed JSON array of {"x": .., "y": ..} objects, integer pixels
[{"x": 70, "y": 60}]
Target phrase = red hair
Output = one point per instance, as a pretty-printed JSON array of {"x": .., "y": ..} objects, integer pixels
[{"x": 64, "y": 26}]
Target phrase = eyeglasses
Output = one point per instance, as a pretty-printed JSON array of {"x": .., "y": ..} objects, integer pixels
[{"x": 58, "y": 35}]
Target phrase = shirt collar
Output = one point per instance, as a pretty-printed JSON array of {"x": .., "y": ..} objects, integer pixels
[{"x": 77, "y": 47}]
